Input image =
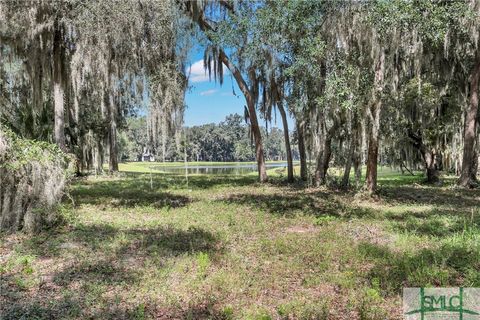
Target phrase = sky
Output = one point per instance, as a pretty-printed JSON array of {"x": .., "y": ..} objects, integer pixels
[{"x": 209, "y": 102}]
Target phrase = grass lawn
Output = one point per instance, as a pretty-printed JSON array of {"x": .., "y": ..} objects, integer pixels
[{"x": 147, "y": 246}]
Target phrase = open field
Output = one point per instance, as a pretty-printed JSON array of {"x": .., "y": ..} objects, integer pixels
[{"x": 147, "y": 246}]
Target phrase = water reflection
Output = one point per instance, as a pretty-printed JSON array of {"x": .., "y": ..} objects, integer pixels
[{"x": 237, "y": 169}]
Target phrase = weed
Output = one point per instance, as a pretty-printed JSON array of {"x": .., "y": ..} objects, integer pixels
[
  {"x": 203, "y": 262},
  {"x": 139, "y": 313}
]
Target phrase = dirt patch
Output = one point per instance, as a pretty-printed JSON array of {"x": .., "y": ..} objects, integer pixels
[
  {"x": 365, "y": 232},
  {"x": 301, "y": 229}
]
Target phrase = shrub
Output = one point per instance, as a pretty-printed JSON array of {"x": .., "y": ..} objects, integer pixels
[{"x": 33, "y": 176}]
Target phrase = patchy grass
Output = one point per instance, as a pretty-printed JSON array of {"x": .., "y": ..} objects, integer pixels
[{"x": 149, "y": 246}]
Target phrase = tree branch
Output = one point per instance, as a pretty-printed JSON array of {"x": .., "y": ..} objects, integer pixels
[
  {"x": 227, "y": 5},
  {"x": 206, "y": 27},
  {"x": 236, "y": 74}
]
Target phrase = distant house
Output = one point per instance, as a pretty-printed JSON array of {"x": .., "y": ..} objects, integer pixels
[{"x": 147, "y": 156}]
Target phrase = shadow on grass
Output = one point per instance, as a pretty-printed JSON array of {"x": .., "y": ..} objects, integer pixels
[
  {"x": 125, "y": 193},
  {"x": 69, "y": 306},
  {"x": 138, "y": 189},
  {"x": 290, "y": 204},
  {"x": 160, "y": 240},
  {"x": 105, "y": 260},
  {"x": 163, "y": 240},
  {"x": 443, "y": 264},
  {"x": 427, "y": 195},
  {"x": 438, "y": 222}
]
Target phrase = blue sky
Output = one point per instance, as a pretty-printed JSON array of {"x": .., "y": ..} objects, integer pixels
[{"x": 209, "y": 102}]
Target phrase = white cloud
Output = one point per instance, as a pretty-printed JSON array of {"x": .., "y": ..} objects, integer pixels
[
  {"x": 208, "y": 92},
  {"x": 199, "y": 74}
]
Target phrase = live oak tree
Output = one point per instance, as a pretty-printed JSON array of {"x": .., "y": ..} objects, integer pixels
[
  {"x": 433, "y": 52},
  {"x": 138, "y": 44},
  {"x": 40, "y": 33}
]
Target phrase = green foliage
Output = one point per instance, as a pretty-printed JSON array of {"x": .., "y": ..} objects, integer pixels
[
  {"x": 133, "y": 139},
  {"x": 139, "y": 312},
  {"x": 432, "y": 20},
  {"x": 339, "y": 89},
  {"x": 370, "y": 303},
  {"x": 203, "y": 263},
  {"x": 21, "y": 152},
  {"x": 34, "y": 175},
  {"x": 259, "y": 315},
  {"x": 324, "y": 220},
  {"x": 228, "y": 313}
]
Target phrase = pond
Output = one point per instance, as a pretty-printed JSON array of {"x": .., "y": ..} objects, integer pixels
[{"x": 216, "y": 169}]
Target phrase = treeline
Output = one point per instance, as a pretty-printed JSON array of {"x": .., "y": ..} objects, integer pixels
[{"x": 229, "y": 140}]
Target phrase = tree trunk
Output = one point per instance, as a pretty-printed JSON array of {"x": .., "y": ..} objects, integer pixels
[
  {"x": 475, "y": 166},
  {"x": 58, "y": 90},
  {"x": 374, "y": 116},
  {"x": 372, "y": 162},
  {"x": 301, "y": 150},
  {"x": 327, "y": 155},
  {"x": 432, "y": 176},
  {"x": 323, "y": 159},
  {"x": 357, "y": 141},
  {"x": 257, "y": 136},
  {"x": 112, "y": 136},
  {"x": 429, "y": 158},
  {"x": 98, "y": 157},
  {"x": 318, "y": 169},
  {"x": 431, "y": 171},
  {"x": 373, "y": 144},
  {"x": 288, "y": 149},
  {"x": 164, "y": 139},
  {"x": 439, "y": 160},
  {"x": 468, "y": 175},
  {"x": 348, "y": 164},
  {"x": 357, "y": 167}
]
